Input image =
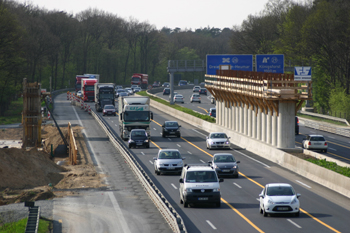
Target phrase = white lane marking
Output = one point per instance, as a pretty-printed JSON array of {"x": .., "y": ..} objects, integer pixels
[
  {"x": 189, "y": 152},
  {"x": 142, "y": 153},
  {"x": 199, "y": 132},
  {"x": 258, "y": 199},
  {"x": 169, "y": 139},
  {"x": 237, "y": 185},
  {"x": 313, "y": 132},
  {"x": 329, "y": 148},
  {"x": 112, "y": 121},
  {"x": 114, "y": 201},
  {"x": 151, "y": 162},
  {"x": 202, "y": 161},
  {"x": 331, "y": 137},
  {"x": 303, "y": 184},
  {"x": 154, "y": 128},
  {"x": 293, "y": 223},
  {"x": 173, "y": 186},
  {"x": 210, "y": 224},
  {"x": 252, "y": 159},
  {"x": 178, "y": 145},
  {"x": 116, "y": 125}
]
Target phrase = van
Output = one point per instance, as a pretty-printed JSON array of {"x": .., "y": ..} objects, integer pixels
[
  {"x": 182, "y": 83},
  {"x": 199, "y": 183}
]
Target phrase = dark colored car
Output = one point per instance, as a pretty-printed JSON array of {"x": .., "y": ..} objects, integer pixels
[
  {"x": 138, "y": 137},
  {"x": 166, "y": 91},
  {"x": 212, "y": 112},
  {"x": 171, "y": 128},
  {"x": 296, "y": 125},
  {"x": 119, "y": 91},
  {"x": 203, "y": 91},
  {"x": 108, "y": 110},
  {"x": 225, "y": 165}
]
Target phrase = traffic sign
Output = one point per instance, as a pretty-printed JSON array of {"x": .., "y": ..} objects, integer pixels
[
  {"x": 272, "y": 63},
  {"x": 237, "y": 62},
  {"x": 302, "y": 73}
]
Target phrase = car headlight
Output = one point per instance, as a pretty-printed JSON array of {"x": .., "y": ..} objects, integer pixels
[
  {"x": 294, "y": 201},
  {"x": 234, "y": 167},
  {"x": 216, "y": 190},
  {"x": 180, "y": 163},
  {"x": 216, "y": 166},
  {"x": 211, "y": 142},
  {"x": 178, "y": 130},
  {"x": 227, "y": 142},
  {"x": 131, "y": 141},
  {"x": 188, "y": 190},
  {"x": 270, "y": 201},
  {"x": 146, "y": 140}
]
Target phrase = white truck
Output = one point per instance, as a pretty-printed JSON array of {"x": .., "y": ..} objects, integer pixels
[
  {"x": 95, "y": 76},
  {"x": 134, "y": 113}
]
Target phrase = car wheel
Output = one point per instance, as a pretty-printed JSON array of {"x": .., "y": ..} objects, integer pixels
[
  {"x": 264, "y": 213},
  {"x": 218, "y": 204},
  {"x": 191, "y": 101},
  {"x": 163, "y": 135},
  {"x": 185, "y": 204},
  {"x": 129, "y": 146},
  {"x": 147, "y": 146},
  {"x": 199, "y": 102},
  {"x": 158, "y": 173},
  {"x": 181, "y": 202},
  {"x": 260, "y": 210},
  {"x": 325, "y": 151},
  {"x": 297, "y": 214},
  {"x": 236, "y": 176},
  {"x": 179, "y": 135}
]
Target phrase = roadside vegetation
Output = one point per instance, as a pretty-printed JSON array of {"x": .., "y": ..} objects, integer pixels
[
  {"x": 180, "y": 108},
  {"x": 322, "y": 119},
  {"x": 13, "y": 114},
  {"x": 331, "y": 166},
  {"x": 20, "y": 226}
]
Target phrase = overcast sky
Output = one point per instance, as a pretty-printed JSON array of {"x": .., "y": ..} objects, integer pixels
[{"x": 190, "y": 14}]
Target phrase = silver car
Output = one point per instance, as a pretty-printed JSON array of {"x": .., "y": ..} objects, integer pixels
[
  {"x": 225, "y": 165},
  {"x": 179, "y": 99},
  {"x": 218, "y": 140},
  {"x": 195, "y": 98},
  {"x": 315, "y": 142},
  {"x": 168, "y": 161},
  {"x": 129, "y": 91}
]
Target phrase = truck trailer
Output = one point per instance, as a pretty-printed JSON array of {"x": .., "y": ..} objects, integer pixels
[
  {"x": 134, "y": 113},
  {"x": 140, "y": 79},
  {"x": 104, "y": 94},
  {"x": 88, "y": 89},
  {"x": 78, "y": 79},
  {"x": 94, "y": 76}
]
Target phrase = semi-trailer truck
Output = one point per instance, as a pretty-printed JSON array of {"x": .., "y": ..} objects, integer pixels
[
  {"x": 88, "y": 89},
  {"x": 140, "y": 79},
  {"x": 104, "y": 94}
]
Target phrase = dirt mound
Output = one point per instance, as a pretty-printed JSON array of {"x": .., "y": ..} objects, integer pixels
[{"x": 29, "y": 175}]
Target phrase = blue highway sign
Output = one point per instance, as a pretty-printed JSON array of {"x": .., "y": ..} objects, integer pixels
[
  {"x": 237, "y": 62},
  {"x": 272, "y": 63}
]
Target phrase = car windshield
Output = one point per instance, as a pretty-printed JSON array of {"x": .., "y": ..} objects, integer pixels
[
  {"x": 280, "y": 191},
  {"x": 109, "y": 107},
  {"x": 169, "y": 155},
  {"x": 195, "y": 95},
  {"x": 120, "y": 90},
  {"x": 171, "y": 124},
  {"x": 178, "y": 96},
  {"x": 218, "y": 135},
  {"x": 224, "y": 159},
  {"x": 138, "y": 134},
  {"x": 201, "y": 176},
  {"x": 317, "y": 139}
]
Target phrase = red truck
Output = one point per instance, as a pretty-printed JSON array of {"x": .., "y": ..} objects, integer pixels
[
  {"x": 88, "y": 89},
  {"x": 140, "y": 80},
  {"x": 78, "y": 79}
]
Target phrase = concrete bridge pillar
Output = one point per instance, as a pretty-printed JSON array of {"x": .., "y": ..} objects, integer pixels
[
  {"x": 269, "y": 127},
  {"x": 241, "y": 119},
  {"x": 263, "y": 126},
  {"x": 286, "y": 131},
  {"x": 237, "y": 119},
  {"x": 274, "y": 129},
  {"x": 258, "y": 124},
  {"x": 250, "y": 123},
  {"x": 254, "y": 121}
]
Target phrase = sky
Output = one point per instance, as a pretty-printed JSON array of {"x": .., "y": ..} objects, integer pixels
[{"x": 184, "y": 14}]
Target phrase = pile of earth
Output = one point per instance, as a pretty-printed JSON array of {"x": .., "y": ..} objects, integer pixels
[{"x": 29, "y": 175}]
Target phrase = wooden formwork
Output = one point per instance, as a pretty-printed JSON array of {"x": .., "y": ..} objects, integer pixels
[
  {"x": 73, "y": 150},
  {"x": 31, "y": 115}
]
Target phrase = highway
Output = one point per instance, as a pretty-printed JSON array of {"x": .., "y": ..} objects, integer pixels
[
  {"x": 338, "y": 147},
  {"x": 322, "y": 209}
]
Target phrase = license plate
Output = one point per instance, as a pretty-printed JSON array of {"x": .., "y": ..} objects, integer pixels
[
  {"x": 172, "y": 132},
  {"x": 202, "y": 198},
  {"x": 225, "y": 170},
  {"x": 139, "y": 143},
  {"x": 171, "y": 168},
  {"x": 282, "y": 208},
  {"x": 318, "y": 144}
]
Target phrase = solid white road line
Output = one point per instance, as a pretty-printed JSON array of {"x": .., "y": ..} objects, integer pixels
[
  {"x": 237, "y": 185},
  {"x": 252, "y": 159},
  {"x": 293, "y": 223},
  {"x": 173, "y": 186},
  {"x": 169, "y": 139},
  {"x": 329, "y": 148},
  {"x": 178, "y": 145},
  {"x": 303, "y": 184},
  {"x": 142, "y": 153},
  {"x": 202, "y": 161},
  {"x": 154, "y": 128},
  {"x": 189, "y": 152},
  {"x": 151, "y": 162},
  {"x": 210, "y": 224}
]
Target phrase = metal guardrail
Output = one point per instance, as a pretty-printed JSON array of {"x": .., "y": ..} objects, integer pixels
[{"x": 174, "y": 220}]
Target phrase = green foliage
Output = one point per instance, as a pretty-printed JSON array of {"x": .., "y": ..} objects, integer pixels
[
  {"x": 20, "y": 226},
  {"x": 339, "y": 100},
  {"x": 13, "y": 114},
  {"x": 180, "y": 108},
  {"x": 331, "y": 166}
]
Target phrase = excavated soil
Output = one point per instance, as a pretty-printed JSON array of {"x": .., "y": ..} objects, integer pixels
[{"x": 29, "y": 175}]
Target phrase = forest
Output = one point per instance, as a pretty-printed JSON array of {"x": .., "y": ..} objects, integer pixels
[{"x": 38, "y": 44}]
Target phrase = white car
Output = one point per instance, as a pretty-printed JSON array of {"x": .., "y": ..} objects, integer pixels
[
  {"x": 79, "y": 94},
  {"x": 315, "y": 142},
  {"x": 218, "y": 140},
  {"x": 278, "y": 198},
  {"x": 179, "y": 99},
  {"x": 168, "y": 161},
  {"x": 175, "y": 93},
  {"x": 129, "y": 91},
  {"x": 195, "y": 98}
]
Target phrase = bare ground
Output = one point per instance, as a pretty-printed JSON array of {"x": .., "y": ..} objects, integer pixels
[{"x": 29, "y": 175}]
